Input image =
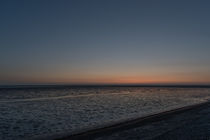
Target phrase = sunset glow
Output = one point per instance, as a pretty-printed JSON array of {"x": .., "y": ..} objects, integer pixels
[{"x": 102, "y": 43}]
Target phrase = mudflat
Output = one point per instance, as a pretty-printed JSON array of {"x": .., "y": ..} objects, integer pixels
[{"x": 187, "y": 123}]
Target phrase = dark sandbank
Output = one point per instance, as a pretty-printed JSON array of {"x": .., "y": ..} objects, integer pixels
[{"x": 191, "y": 122}]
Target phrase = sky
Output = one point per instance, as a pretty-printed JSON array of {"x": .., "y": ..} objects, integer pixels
[{"x": 104, "y": 42}]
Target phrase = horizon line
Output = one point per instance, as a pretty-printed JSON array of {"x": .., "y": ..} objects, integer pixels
[{"x": 100, "y": 85}]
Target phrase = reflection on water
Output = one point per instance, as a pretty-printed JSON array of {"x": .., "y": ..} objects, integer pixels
[{"x": 33, "y": 112}]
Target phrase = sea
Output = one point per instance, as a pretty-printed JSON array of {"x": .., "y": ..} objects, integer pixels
[{"x": 46, "y": 112}]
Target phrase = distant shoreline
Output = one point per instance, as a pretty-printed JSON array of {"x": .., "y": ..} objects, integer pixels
[{"x": 105, "y": 85}]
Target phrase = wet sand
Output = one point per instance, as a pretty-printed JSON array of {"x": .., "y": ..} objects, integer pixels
[{"x": 192, "y": 122}]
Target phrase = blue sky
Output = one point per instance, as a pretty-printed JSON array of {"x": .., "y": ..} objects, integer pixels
[{"x": 106, "y": 41}]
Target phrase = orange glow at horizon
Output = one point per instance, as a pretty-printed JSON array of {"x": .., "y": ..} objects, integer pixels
[{"x": 114, "y": 79}]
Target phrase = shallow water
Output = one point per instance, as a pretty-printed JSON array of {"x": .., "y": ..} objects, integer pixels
[{"x": 27, "y": 113}]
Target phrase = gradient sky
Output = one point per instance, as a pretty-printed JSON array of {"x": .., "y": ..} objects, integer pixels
[{"x": 104, "y": 41}]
